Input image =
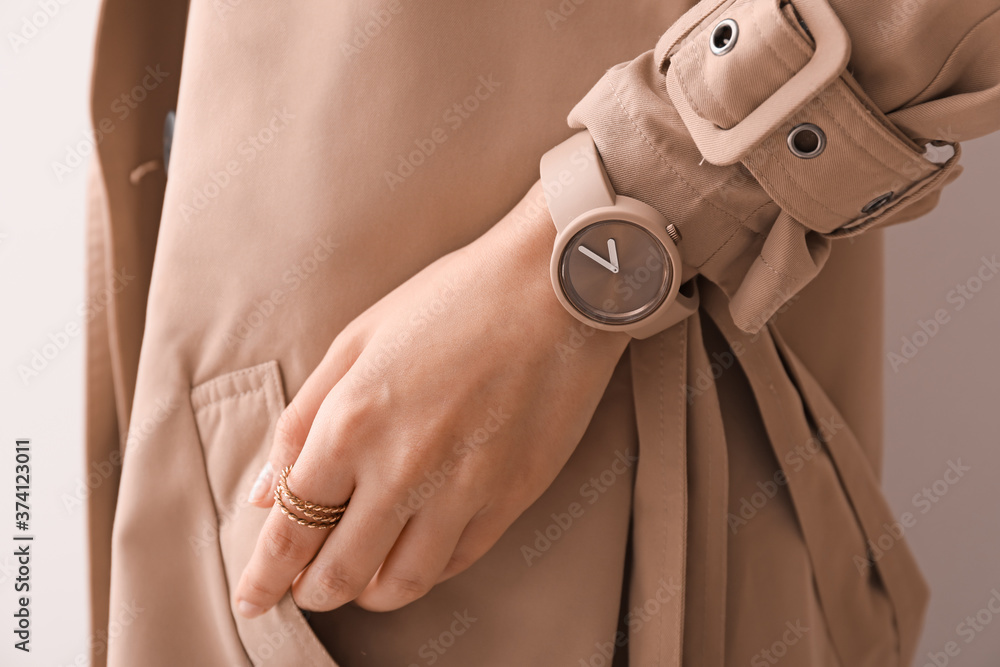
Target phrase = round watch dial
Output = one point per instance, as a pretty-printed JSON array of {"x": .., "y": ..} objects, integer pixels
[{"x": 615, "y": 272}]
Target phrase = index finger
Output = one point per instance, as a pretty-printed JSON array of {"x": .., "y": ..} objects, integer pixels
[{"x": 283, "y": 549}]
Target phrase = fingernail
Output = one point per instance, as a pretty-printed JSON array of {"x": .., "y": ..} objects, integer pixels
[
  {"x": 249, "y": 610},
  {"x": 262, "y": 485}
]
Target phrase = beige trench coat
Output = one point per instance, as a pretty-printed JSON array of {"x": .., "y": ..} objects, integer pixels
[{"x": 326, "y": 151}]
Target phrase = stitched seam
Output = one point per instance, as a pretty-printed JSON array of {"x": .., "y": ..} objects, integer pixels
[
  {"x": 689, "y": 30},
  {"x": 224, "y": 378},
  {"x": 912, "y": 196},
  {"x": 687, "y": 93},
  {"x": 204, "y": 387},
  {"x": 797, "y": 42},
  {"x": 231, "y": 397},
  {"x": 725, "y": 243},
  {"x": 776, "y": 271},
  {"x": 764, "y": 178},
  {"x": 730, "y": 118},
  {"x": 664, "y": 160},
  {"x": 754, "y": 212},
  {"x": 764, "y": 148},
  {"x": 730, "y": 115},
  {"x": 788, "y": 66},
  {"x": 837, "y": 87},
  {"x": 276, "y": 394},
  {"x": 744, "y": 226},
  {"x": 838, "y": 90}
]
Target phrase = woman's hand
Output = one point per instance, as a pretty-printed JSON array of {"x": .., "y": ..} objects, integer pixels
[{"x": 442, "y": 412}]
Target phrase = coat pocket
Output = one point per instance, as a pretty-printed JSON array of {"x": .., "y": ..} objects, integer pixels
[{"x": 236, "y": 414}]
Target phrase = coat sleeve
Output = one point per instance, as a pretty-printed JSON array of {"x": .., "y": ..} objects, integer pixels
[{"x": 766, "y": 129}]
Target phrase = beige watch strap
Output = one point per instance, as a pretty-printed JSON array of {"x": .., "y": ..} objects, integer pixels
[{"x": 572, "y": 186}]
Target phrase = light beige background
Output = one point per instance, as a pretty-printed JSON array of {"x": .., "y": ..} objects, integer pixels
[
  {"x": 43, "y": 113},
  {"x": 942, "y": 405}
]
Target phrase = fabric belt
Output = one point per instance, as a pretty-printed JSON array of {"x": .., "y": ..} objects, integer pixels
[
  {"x": 785, "y": 68},
  {"x": 835, "y": 494}
]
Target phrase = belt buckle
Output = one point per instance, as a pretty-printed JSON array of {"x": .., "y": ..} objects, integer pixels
[{"x": 833, "y": 51}]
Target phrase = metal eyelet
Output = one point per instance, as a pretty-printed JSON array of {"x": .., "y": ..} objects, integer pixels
[
  {"x": 806, "y": 141},
  {"x": 724, "y": 37},
  {"x": 878, "y": 203}
]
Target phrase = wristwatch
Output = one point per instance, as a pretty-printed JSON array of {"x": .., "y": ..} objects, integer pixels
[{"x": 615, "y": 263}]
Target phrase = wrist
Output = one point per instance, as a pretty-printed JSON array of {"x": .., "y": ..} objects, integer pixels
[{"x": 523, "y": 242}]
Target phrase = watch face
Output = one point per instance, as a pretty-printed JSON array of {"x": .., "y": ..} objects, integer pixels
[{"x": 615, "y": 272}]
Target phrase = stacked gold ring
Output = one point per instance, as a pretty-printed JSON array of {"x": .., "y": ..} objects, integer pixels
[{"x": 309, "y": 514}]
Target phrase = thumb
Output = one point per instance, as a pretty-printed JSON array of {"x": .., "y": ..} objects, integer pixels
[{"x": 295, "y": 421}]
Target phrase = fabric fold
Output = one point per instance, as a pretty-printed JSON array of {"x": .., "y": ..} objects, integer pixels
[
  {"x": 837, "y": 500},
  {"x": 660, "y": 503}
]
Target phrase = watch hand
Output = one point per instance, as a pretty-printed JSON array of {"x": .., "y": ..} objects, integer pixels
[
  {"x": 611, "y": 266},
  {"x": 613, "y": 253}
]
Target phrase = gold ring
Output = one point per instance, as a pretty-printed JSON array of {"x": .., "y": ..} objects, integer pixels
[{"x": 312, "y": 514}]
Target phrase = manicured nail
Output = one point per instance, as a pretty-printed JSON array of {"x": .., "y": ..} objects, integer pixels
[
  {"x": 262, "y": 486},
  {"x": 249, "y": 610}
]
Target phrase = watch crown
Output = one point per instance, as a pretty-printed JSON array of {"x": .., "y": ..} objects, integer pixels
[{"x": 674, "y": 233}]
